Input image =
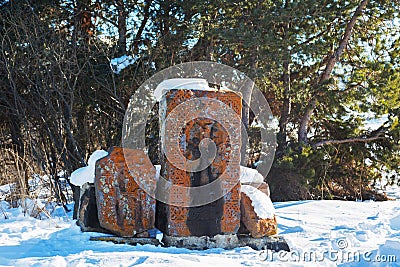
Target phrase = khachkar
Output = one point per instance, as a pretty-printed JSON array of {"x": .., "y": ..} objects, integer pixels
[
  {"x": 221, "y": 216},
  {"x": 123, "y": 207},
  {"x": 205, "y": 199}
]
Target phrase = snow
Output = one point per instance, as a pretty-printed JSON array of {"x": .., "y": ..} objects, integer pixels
[
  {"x": 158, "y": 170},
  {"x": 262, "y": 204},
  {"x": 319, "y": 233},
  {"x": 180, "y": 83},
  {"x": 3, "y": 2},
  {"x": 249, "y": 175},
  {"x": 159, "y": 236},
  {"x": 395, "y": 223},
  {"x": 384, "y": 186},
  {"x": 86, "y": 174},
  {"x": 120, "y": 63},
  {"x": 338, "y": 233}
]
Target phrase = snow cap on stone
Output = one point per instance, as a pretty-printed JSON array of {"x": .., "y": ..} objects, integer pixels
[
  {"x": 261, "y": 203},
  {"x": 249, "y": 175},
  {"x": 180, "y": 83},
  {"x": 86, "y": 174}
]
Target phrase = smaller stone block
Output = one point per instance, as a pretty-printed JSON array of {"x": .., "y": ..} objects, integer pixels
[
  {"x": 252, "y": 223},
  {"x": 124, "y": 208},
  {"x": 87, "y": 214}
]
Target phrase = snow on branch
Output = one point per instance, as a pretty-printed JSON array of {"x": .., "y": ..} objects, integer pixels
[{"x": 120, "y": 63}]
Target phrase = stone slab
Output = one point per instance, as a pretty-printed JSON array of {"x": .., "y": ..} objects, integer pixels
[
  {"x": 124, "y": 208},
  {"x": 223, "y": 215}
]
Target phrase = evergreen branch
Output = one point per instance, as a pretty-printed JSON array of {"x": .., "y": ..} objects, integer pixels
[{"x": 349, "y": 88}]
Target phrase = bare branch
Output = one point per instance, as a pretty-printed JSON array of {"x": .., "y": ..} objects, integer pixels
[
  {"x": 135, "y": 43},
  {"x": 350, "y": 140},
  {"x": 378, "y": 134}
]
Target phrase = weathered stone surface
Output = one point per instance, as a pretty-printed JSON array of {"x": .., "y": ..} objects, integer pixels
[
  {"x": 123, "y": 207},
  {"x": 127, "y": 240},
  {"x": 275, "y": 243},
  {"x": 87, "y": 213},
  {"x": 251, "y": 223},
  {"x": 202, "y": 242},
  {"x": 223, "y": 215}
]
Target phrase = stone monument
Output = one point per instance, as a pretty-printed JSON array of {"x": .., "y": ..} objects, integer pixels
[
  {"x": 242, "y": 216},
  {"x": 218, "y": 217}
]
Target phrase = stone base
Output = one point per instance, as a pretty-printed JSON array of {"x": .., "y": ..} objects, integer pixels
[
  {"x": 275, "y": 243},
  {"x": 126, "y": 240},
  {"x": 202, "y": 242}
]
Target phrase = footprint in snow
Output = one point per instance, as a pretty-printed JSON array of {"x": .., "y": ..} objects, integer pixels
[
  {"x": 373, "y": 218},
  {"x": 362, "y": 236},
  {"x": 395, "y": 223}
]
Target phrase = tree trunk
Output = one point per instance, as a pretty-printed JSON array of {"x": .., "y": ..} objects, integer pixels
[
  {"x": 146, "y": 16},
  {"x": 285, "y": 110},
  {"x": 305, "y": 120},
  {"x": 121, "y": 27}
]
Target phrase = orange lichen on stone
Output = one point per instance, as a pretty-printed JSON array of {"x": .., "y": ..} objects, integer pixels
[
  {"x": 124, "y": 208},
  {"x": 230, "y": 220},
  {"x": 223, "y": 215},
  {"x": 257, "y": 227}
]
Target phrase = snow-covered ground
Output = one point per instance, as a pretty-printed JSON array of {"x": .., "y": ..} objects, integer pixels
[{"x": 320, "y": 233}]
